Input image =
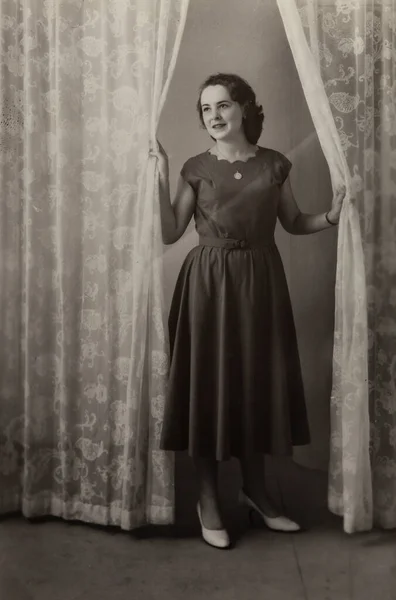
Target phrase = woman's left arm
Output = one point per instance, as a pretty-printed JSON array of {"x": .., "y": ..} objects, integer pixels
[{"x": 298, "y": 223}]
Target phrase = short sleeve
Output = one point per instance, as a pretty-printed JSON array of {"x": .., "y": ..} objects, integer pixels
[
  {"x": 282, "y": 167},
  {"x": 189, "y": 175}
]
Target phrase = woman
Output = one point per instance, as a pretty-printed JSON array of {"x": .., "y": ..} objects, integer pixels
[{"x": 235, "y": 385}]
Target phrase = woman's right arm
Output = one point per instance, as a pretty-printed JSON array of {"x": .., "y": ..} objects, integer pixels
[{"x": 176, "y": 215}]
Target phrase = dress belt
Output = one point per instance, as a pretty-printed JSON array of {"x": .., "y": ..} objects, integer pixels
[{"x": 231, "y": 244}]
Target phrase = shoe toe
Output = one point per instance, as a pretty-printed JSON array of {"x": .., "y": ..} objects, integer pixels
[
  {"x": 281, "y": 524},
  {"x": 217, "y": 538},
  {"x": 288, "y": 524}
]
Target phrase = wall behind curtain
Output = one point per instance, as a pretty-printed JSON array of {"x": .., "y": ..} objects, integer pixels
[{"x": 248, "y": 38}]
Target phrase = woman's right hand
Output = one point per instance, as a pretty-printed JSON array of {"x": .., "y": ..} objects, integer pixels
[{"x": 163, "y": 162}]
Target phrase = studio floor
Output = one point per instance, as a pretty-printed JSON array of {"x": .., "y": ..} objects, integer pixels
[{"x": 56, "y": 560}]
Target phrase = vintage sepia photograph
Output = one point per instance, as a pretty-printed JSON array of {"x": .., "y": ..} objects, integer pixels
[{"x": 198, "y": 299}]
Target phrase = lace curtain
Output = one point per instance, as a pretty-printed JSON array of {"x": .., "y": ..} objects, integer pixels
[
  {"x": 83, "y": 352},
  {"x": 345, "y": 53}
]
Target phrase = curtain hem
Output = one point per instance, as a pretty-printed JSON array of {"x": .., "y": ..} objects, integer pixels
[{"x": 47, "y": 505}]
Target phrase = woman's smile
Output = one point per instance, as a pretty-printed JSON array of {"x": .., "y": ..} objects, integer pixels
[{"x": 219, "y": 126}]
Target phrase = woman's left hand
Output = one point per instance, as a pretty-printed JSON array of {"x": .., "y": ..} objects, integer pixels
[{"x": 336, "y": 205}]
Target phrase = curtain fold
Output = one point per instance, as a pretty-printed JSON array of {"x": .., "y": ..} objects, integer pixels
[
  {"x": 84, "y": 352},
  {"x": 345, "y": 57}
]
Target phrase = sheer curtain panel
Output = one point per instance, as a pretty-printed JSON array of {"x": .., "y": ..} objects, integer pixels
[
  {"x": 345, "y": 56},
  {"x": 84, "y": 349}
]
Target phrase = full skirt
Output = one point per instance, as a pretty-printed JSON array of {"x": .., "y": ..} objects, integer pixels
[{"x": 235, "y": 386}]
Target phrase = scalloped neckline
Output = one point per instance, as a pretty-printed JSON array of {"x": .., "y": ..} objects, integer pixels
[{"x": 221, "y": 159}]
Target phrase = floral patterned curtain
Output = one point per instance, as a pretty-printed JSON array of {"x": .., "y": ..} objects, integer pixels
[
  {"x": 345, "y": 53},
  {"x": 84, "y": 351}
]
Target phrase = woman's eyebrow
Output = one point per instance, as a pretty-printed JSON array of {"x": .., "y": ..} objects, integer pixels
[{"x": 219, "y": 102}]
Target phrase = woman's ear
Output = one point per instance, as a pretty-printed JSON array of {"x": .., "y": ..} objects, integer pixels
[{"x": 245, "y": 109}]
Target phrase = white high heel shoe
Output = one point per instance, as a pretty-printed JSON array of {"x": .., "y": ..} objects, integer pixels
[
  {"x": 218, "y": 538},
  {"x": 280, "y": 523}
]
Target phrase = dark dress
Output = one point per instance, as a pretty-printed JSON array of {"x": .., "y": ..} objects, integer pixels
[{"x": 235, "y": 385}]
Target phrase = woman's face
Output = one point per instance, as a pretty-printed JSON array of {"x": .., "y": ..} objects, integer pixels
[{"x": 221, "y": 115}]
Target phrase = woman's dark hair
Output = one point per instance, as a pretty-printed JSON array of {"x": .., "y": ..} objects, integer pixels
[{"x": 241, "y": 92}]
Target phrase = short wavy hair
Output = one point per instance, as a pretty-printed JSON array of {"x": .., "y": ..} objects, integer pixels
[{"x": 240, "y": 91}]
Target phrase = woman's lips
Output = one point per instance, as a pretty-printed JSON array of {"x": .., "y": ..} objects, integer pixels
[{"x": 218, "y": 126}]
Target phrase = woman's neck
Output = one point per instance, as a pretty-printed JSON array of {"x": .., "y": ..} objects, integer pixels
[{"x": 234, "y": 149}]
